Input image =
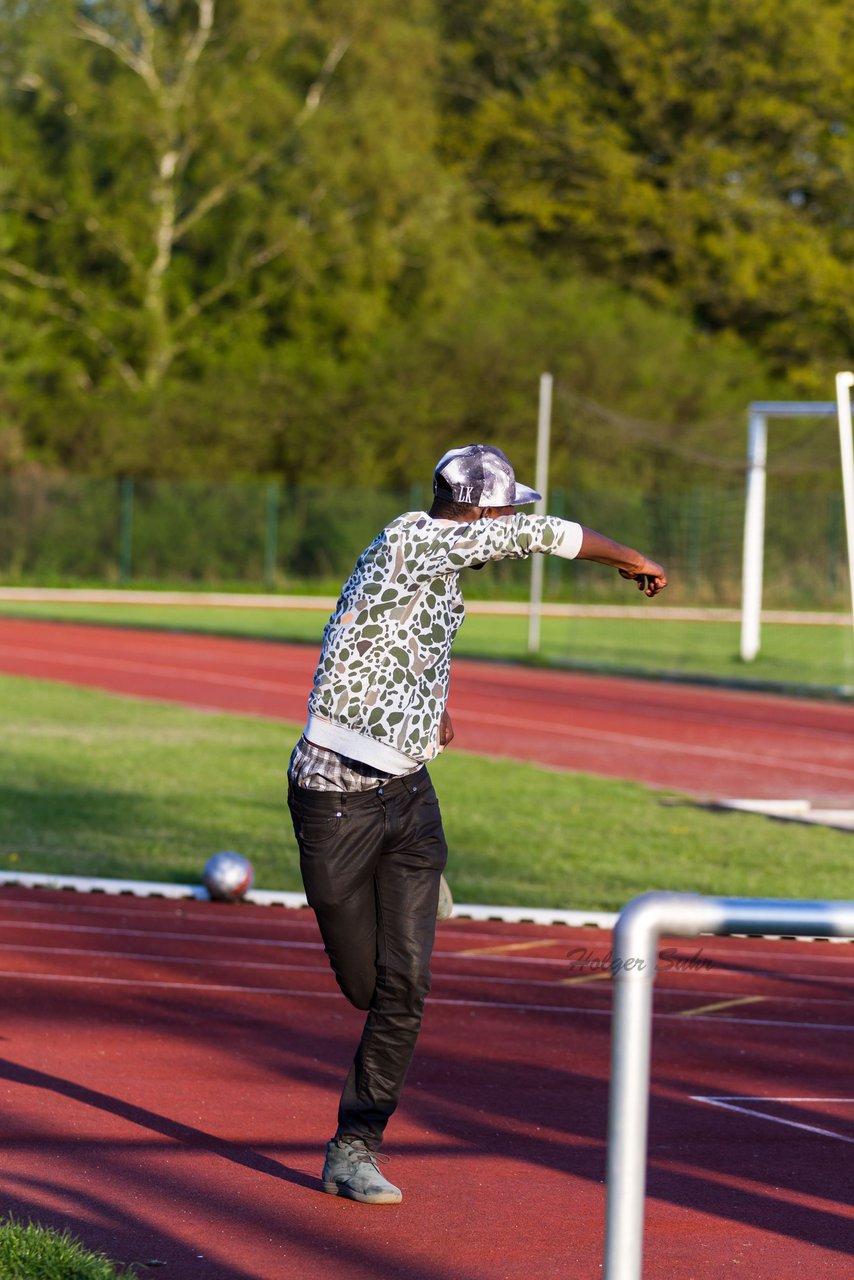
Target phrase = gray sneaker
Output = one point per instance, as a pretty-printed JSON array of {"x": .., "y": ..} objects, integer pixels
[
  {"x": 351, "y": 1170},
  {"x": 446, "y": 901}
]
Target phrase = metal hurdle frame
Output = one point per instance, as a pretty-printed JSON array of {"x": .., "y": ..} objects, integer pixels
[{"x": 634, "y": 959}]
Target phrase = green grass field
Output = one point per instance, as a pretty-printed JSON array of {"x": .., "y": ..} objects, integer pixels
[
  {"x": 31, "y": 1252},
  {"x": 818, "y": 656},
  {"x": 94, "y": 784}
]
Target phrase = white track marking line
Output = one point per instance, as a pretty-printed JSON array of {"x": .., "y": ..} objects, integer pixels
[
  {"x": 481, "y": 717},
  {"x": 155, "y": 958},
  {"x": 217, "y": 938},
  {"x": 584, "y": 979},
  {"x": 715, "y": 711},
  {"x": 189, "y": 673},
  {"x": 139, "y": 906},
  {"x": 727, "y": 997},
  {"x": 722, "y": 1004},
  {"x": 292, "y": 918},
  {"x": 762, "y": 1115},
  {"x": 502, "y": 948},
  {"x": 660, "y": 744},
  {"x": 438, "y": 955},
  {"x": 497, "y": 1005}
]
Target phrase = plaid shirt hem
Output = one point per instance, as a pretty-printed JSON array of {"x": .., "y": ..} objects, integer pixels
[{"x": 317, "y": 769}]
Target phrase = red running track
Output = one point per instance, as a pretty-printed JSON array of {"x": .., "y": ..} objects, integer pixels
[
  {"x": 170, "y": 1073},
  {"x": 709, "y": 743}
]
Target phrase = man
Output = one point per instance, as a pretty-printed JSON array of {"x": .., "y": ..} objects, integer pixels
[{"x": 365, "y": 814}]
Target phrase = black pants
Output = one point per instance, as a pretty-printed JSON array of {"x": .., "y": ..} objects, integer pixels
[{"x": 371, "y": 863}]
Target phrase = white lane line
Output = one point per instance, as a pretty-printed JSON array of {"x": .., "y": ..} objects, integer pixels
[
  {"x": 497, "y": 1005},
  {"x": 762, "y": 1115},
  {"x": 505, "y": 948},
  {"x": 218, "y": 938},
  {"x": 131, "y": 905},
  {"x": 189, "y": 673},
  {"x": 761, "y": 1097},
  {"x": 723, "y": 1004},
  {"x": 439, "y": 975},
  {"x": 801, "y": 977},
  {"x": 794, "y": 765},
  {"x": 296, "y": 918},
  {"x": 715, "y": 711},
  {"x": 154, "y": 958}
]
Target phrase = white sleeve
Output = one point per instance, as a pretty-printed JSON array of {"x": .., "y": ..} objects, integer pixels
[{"x": 570, "y": 540}]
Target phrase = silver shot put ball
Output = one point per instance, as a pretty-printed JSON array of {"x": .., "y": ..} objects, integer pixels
[{"x": 228, "y": 876}]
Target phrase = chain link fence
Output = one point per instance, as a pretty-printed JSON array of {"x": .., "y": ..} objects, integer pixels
[{"x": 71, "y": 530}]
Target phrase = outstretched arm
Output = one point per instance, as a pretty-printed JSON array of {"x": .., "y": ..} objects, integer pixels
[{"x": 648, "y": 574}]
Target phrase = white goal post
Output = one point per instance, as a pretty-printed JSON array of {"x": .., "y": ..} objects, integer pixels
[{"x": 754, "y": 510}]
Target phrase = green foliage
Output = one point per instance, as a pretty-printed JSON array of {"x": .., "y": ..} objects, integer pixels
[
  {"x": 33, "y": 1252},
  {"x": 58, "y": 525},
  {"x": 241, "y": 239},
  {"x": 196, "y": 190},
  {"x": 472, "y": 373},
  {"x": 699, "y": 152}
]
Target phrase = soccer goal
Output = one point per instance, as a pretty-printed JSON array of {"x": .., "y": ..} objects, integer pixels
[{"x": 759, "y": 414}]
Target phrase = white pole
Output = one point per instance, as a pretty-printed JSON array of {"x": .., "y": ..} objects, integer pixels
[
  {"x": 544, "y": 419},
  {"x": 634, "y": 960},
  {"x": 844, "y": 383},
  {"x": 754, "y": 537}
]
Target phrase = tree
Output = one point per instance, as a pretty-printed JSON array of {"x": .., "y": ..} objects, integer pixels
[
  {"x": 698, "y": 151},
  {"x": 198, "y": 186}
]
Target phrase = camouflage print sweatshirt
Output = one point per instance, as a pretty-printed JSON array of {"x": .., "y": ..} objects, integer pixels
[{"x": 382, "y": 680}]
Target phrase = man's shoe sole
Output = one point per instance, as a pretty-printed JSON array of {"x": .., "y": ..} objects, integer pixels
[{"x": 381, "y": 1197}]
